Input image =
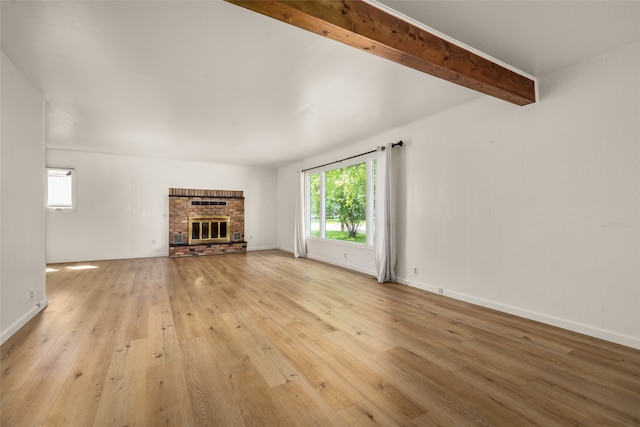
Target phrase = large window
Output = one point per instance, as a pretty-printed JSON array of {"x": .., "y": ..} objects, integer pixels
[
  {"x": 60, "y": 188},
  {"x": 340, "y": 202}
]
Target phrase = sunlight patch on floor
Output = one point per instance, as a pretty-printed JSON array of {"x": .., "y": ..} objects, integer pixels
[{"x": 82, "y": 267}]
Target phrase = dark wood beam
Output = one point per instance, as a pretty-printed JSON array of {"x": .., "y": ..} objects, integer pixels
[{"x": 364, "y": 26}]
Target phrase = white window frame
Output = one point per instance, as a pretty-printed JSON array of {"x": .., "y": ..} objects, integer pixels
[
  {"x": 74, "y": 179},
  {"x": 368, "y": 159}
]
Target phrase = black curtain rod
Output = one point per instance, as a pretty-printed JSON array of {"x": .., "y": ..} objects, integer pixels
[{"x": 400, "y": 144}]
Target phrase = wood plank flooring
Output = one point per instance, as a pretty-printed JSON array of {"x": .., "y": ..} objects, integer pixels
[{"x": 265, "y": 339}]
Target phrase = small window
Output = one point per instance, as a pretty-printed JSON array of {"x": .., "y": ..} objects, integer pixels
[{"x": 60, "y": 188}]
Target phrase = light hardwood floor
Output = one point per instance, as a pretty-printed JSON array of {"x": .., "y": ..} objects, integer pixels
[{"x": 268, "y": 340}]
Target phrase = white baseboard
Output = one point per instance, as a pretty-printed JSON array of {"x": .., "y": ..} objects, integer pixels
[
  {"x": 108, "y": 257},
  {"x": 607, "y": 335},
  {"x": 332, "y": 262},
  {"x": 12, "y": 329},
  {"x": 261, "y": 248},
  {"x": 570, "y": 325},
  {"x": 163, "y": 253},
  {"x": 341, "y": 264}
]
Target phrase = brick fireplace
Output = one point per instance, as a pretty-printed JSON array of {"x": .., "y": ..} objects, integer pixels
[{"x": 205, "y": 222}]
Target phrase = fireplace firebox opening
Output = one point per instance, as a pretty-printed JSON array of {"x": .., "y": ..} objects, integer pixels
[{"x": 211, "y": 229}]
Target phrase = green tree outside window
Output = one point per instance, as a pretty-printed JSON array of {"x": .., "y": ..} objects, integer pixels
[{"x": 346, "y": 199}]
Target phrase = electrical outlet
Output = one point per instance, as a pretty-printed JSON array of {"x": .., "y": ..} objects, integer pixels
[
  {"x": 441, "y": 291},
  {"x": 415, "y": 270},
  {"x": 345, "y": 255},
  {"x": 32, "y": 295}
]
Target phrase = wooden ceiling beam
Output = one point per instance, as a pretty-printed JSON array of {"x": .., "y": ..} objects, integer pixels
[{"x": 364, "y": 26}]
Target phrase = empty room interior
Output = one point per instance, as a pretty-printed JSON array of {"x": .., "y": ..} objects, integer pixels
[{"x": 331, "y": 213}]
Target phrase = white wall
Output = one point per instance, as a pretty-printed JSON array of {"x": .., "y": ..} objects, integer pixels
[
  {"x": 122, "y": 204},
  {"x": 22, "y": 221},
  {"x": 531, "y": 210}
]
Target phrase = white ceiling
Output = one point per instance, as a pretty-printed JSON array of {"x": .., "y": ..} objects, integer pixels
[{"x": 214, "y": 82}]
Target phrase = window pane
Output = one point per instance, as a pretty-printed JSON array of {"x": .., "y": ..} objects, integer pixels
[
  {"x": 205, "y": 230},
  {"x": 223, "y": 230},
  {"x": 346, "y": 203},
  {"x": 195, "y": 231},
  {"x": 314, "y": 208},
  {"x": 60, "y": 188}
]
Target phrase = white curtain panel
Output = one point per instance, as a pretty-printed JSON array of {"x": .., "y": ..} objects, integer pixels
[
  {"x": 386, "y": 225},
  {"x": 300, "y": 232}
]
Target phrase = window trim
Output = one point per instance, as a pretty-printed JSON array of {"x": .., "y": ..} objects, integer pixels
[{"x": 368, "y": 159}]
